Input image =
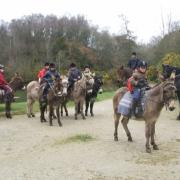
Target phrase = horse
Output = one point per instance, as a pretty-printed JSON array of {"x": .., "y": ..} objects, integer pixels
[
  {"x": 163, "y": 94},
  {"x": 32, "y": 96},
  {"x": 55, "y": 97},
  {"x": 16, "y": 83},
  {"x": 123, "y": 74},
  {"x": 91, "y": 97},
  {"x": 78, "y": 94},
  {"x": 166, "y": 73}
]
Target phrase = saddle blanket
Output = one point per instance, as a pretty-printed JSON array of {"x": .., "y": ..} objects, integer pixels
[{"x": 125, "y": 104}]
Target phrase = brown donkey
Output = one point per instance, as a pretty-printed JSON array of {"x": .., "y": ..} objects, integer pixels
[
  {"x": 16, "y": 83},
  {"x": 159, "y": 96},
  {"x": 55, "y": 97}
]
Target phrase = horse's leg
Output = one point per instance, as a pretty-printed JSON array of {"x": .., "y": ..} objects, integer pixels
[
  {"x": 54, "y": 116},
  {"x": 155, "y": 147},
  {"x": 65, "y": 108},
  {"x": 81, "y": 108},
  {"x": 51, "y": 111},
  {"x": 116, "y": 123},
  {"x": 58, "y": 116},
  {"x": 124, "y": 122},
  {"x": 87, "y": 106},
  {"x": 8, "y": 109},
  {"x": 31, "y": 108},
  {"x": 178, "y": 95},
  {"x": 76, "y": 110},
  {"x": 42, "y": 109},
  {"x": 28, "y": 107},
  {"x": 148, "y": 134},
  {"x": 91, "y": 106}
]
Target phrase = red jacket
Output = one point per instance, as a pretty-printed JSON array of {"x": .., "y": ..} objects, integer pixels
[
  {"x": 129, "y": 85},
  {"x": 42, "y": 72},
  {"x": 2, "y": 79}
]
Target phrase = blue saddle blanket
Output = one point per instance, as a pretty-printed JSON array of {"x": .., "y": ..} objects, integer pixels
[{"x": 125, "y": 104}]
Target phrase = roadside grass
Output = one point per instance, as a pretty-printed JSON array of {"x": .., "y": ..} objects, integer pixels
[
  {"x": 19, "y": 107},
  {"x": 74, "y": 139}
]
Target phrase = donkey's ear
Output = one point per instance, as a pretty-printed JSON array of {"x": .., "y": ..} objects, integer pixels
[{"x": 122, "y": 67}]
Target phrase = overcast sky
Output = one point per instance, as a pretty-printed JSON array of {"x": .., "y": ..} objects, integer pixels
[{"x": 145, "y": 17}]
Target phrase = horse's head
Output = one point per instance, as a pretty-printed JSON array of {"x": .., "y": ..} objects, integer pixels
[
  {"x": 169, "y": 94},
  {"x": 168, "y": 71},
  {"x": 60, "y": 87},
  {"x": 17, "y": 82},
  {"x": 98, "y": 82},
  {"x": 123, "y": 74}
]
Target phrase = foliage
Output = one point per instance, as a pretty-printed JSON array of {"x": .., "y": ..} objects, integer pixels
[{"x": 152, "y": 73}]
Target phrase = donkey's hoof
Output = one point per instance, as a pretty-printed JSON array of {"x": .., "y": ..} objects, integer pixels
[
  {"x": 148, "y": 150},
  {"x": 92, "y": 114},
  {"x": 155, "y": 147},
  {"x": 130, "y": 139},
  {"x": 28, "y": 115},
  {"x": 86, "y": 114},
  {"x": 75, "y": 118},
  {"x": 178, "y": 118},
  {"x": 67, "y": 114},
  {"x": 83, "y": 117},
  {"x": 115, "y": 138},
  {"x": 60, "y": 125}
]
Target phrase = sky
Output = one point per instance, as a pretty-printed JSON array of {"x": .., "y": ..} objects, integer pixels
[{"x": 144, "y": 16}]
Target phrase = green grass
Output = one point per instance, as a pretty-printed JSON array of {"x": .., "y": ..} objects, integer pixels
[
  {"x": 73, "y": 139},
  {"x": 19, "y": 107}
]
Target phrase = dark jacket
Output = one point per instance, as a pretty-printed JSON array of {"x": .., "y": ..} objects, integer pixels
[
  {"x": 74, "y": 74},
  {"x": 133, "y": 63},
  {"x": 50, "y": 76}
]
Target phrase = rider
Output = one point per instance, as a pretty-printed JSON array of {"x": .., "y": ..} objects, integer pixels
[
  {"x": 133, "y": 62},
  {"x": 136, "y": 83},
  {"x": 51, "y": 75},
  {"x": 87, "y": 71},
  {"x": 3, "y": 83},
  {"x": 74, "y": 74},
  {"x": 42, "y": 72}
]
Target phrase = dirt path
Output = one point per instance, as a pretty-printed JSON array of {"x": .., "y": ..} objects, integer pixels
[{"x": 30, "y": 150}]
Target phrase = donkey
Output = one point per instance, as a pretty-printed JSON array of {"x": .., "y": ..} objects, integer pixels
[
  {"x": 16, "y": 83},
  {"x": 159, "y": 96},
  {"x": 167, "y": 72},
  {"x": 78, "y": 94},
  {"x": 32, "y": 96},
  {"x": 55, "y": 97},
  {"x": 123, "y": 74},
  {"x": 91, "y": 97}
]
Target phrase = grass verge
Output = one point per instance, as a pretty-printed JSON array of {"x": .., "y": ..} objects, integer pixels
[
  {"x": 74, "y": 139},
  {"x": 20, "y": 107}
]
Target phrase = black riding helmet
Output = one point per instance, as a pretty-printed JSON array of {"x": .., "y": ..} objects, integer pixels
[
  {"x": 52, "y": 66},
  {"x": 142, "y": 64},
  {"x": 46, "y": 64},
  {"x": 72, "y": 65}
]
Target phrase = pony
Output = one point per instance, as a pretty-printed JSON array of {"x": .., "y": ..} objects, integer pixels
[
  {"x": 91, "y": 97},
  {"x": 161, "y": 95},
  {"x": 166, "y": 73},
  {"x": 16, "y": 83},
  {"x": 78, "y": 94},
  {"x": 55, "y": 97}
]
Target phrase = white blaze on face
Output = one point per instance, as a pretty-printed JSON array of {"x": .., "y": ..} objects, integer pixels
[
  {"x": 65, "y": 85},
  {"x": 91, "y": 81}
]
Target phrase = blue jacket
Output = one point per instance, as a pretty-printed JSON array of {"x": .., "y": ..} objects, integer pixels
[
  {"x": 50, "y": 76},
  {"x": 74, "y": 73}
]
